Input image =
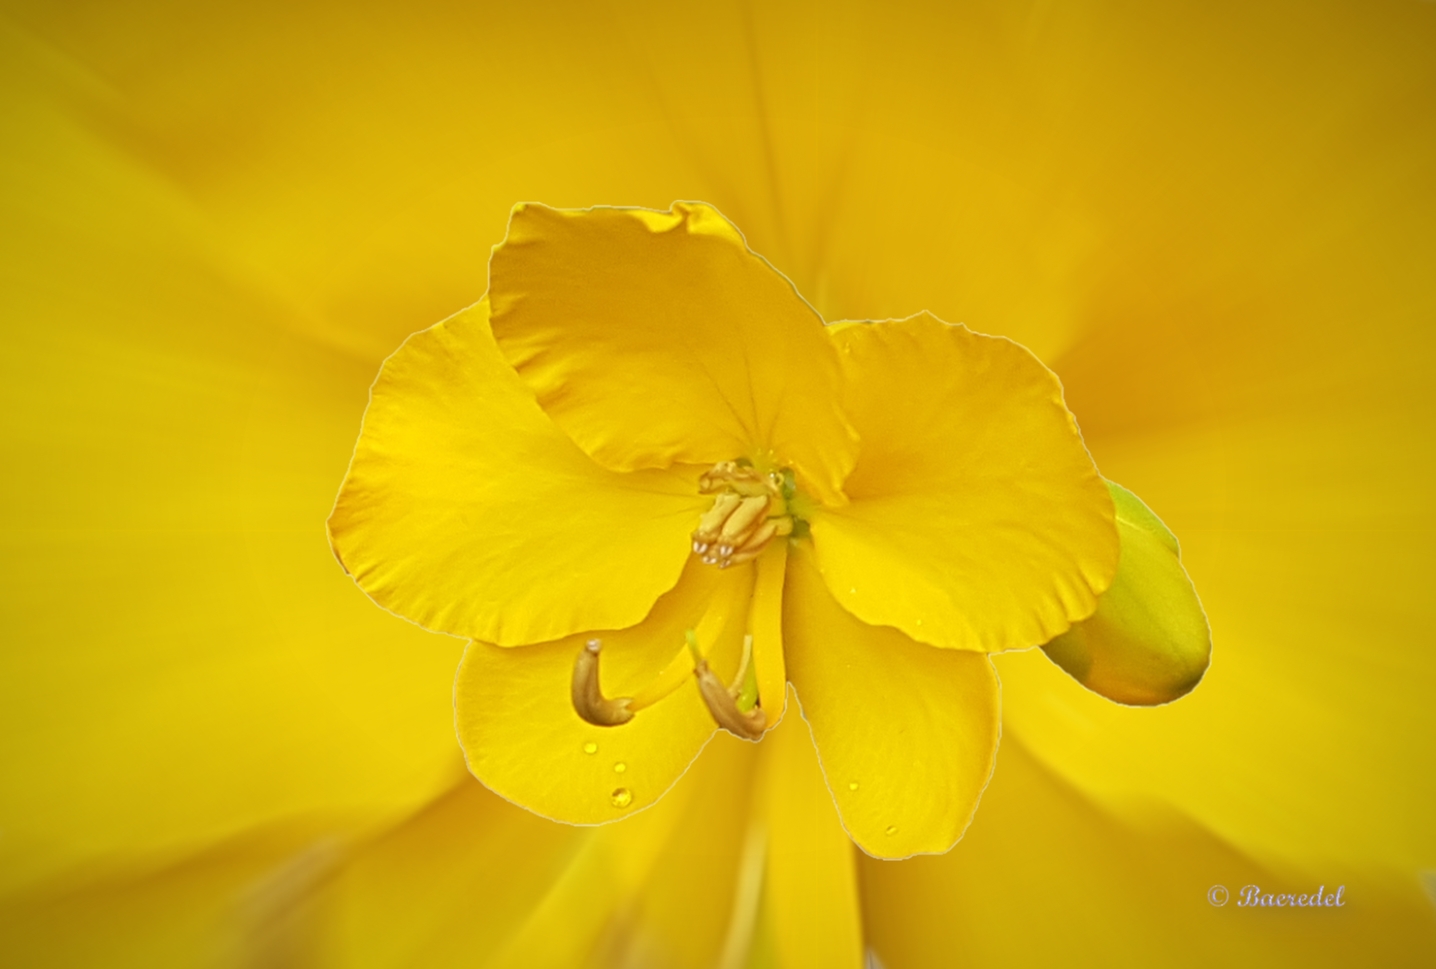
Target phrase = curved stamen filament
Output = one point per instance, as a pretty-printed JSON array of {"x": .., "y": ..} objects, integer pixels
[
  {"x": 675, "y": 671},
  {"x": 588, "y": 700},
  {"x": 723, "y": 705},
  {"x": 765, "y": 621},
  {"x": 734, "y": 707},
  {"x": 745, "y": 684},
  {"x": 738, "y": 708}
]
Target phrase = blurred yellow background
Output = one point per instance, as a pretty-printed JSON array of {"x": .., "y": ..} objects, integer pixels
[{"x": 1215, "y": 221}]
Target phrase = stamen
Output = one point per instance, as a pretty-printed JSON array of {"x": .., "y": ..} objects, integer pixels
[
  {"x": 734, "y": 707},
  {"x": 724, "y": 707},
  {"x": 745, "y": 684},
  {"x": 739, "y": 525},
  {"x": 711, "y": 524},
  {"x": 750, "y": 509},
  {"x": 736, "y": 478},
  {"x": 675, "y": 673},
  {"x": 759, "y": 540},
  {"x": 765, "y": 621},
  {"x": 737, "y": 714},
  {"x": 588, "y": 700}
]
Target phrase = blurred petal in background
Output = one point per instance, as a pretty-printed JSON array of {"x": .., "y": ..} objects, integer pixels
[{"x": 1216, "y": 221}]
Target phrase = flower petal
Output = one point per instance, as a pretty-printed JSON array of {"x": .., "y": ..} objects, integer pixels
[
  {"x": 653, "y": 891},
  {"x": 182, "y": 660},
  {"x": 1122, "y": 888},
  {"x": 811, "y": 890},
  {"x": 659, "y": 337},
  {"x": 523, "y": 739},
  {"x": 463, "y": 502},
  {"x": 907, "y": 733},
  {"x": 1148, "y": 642},
  {"x": 423, "y": 892},
  {"x": 228, "y": 904},
  {"x": 977, "y": 520}
]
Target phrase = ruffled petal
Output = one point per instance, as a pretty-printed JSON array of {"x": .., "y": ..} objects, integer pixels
[
  {"x": 1148, "y": 642},
  {"x": 907, "y": 733},
  {"x": 977, "y": 520},
  {"x": 659, "y": 337},
  {"x": 464, "y": 503},
  {"x": 523, "y": 739}
]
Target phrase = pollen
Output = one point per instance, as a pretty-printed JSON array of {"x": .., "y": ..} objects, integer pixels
[{"x": 750, "y": 509}]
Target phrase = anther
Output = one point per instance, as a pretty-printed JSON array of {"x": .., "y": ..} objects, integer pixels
[
  {"x": 738, "y": 525},
  {"x": 724, "y": 706},
  {"x": 588, "y": 700},
  {"x": 750, "y": 509},
  {"x": 711, "y": 523},
  {"x": 733, "y": 478}
]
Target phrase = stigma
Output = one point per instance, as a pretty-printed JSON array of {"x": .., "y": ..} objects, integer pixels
[{"x": 750, "y": 509}]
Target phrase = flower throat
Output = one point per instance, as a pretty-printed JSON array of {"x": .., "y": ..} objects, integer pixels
[{"x": 751, "y": 508}]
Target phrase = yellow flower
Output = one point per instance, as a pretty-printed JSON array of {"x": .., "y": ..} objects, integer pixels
[
  {"x": 1213, "y": 222},
  {"x": 641, "y": 403}
]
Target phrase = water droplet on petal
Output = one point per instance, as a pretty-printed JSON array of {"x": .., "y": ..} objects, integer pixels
[
  {"x": 892, "y": 830},
  {"x": 620, "y": 767},
  {"x": 852, "y": 785},
  {"x": 622, "y": 797},
  {"x": 590, "y": 748}
]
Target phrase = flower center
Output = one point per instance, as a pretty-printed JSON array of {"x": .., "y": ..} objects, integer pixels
[{"x": 750, "y": 509}]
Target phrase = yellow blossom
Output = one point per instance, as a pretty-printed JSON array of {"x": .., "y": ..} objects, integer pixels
[
  {"x": 643, "y": 447},
  {"x": 1211, "y": 221}
]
